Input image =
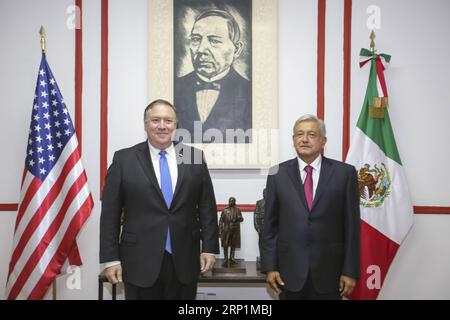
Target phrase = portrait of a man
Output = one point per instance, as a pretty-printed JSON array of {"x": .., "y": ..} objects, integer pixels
[{"x": 212, "y": 65}]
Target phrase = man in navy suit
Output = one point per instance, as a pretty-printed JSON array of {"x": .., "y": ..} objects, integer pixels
[
  {"x": 311, "y": 236},
  {"x": 158, "y": 225},
  {"x": 214, "y": 95}
]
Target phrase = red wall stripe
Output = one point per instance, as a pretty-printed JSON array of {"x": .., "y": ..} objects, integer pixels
[
  {"x": 417, "y": 209},
  {"x": 431, "y": 210},
  {"x": 104, "y": 97},
  {"x": 79, "y": 74},
  {"x": 243, "y": 207},
  {"x": 347, "y": 77},
  {"x": 11, "y": 207},
  {"x": 321, "y": 59}
]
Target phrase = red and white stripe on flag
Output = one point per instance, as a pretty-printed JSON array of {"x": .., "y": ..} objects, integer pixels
[{"x": 50, "y": 216}]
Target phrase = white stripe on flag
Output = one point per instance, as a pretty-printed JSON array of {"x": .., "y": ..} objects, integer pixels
[
  {"x": 395, "y": 217},
  {"x": 26, "y": 184}
]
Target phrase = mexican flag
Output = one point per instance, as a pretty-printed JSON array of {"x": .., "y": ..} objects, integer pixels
[{"x": 386, "y": 207}]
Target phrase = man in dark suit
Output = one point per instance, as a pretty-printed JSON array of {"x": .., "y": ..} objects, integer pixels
[
  {"x": 214, "y": 95},
  {"x": 162, "y": 197},
  {"x": 311, "y": 236}
]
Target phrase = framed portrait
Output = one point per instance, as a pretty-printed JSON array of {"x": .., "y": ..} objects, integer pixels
[{"x": 217, "y": 61}]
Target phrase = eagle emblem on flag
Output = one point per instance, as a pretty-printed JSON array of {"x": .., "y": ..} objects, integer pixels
[{"x": 374, "y": 185}]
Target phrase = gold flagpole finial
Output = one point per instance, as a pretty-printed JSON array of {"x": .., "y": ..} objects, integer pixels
[
  {"x": 372, "y": 41},
  {"x": 42, "y": 33}
]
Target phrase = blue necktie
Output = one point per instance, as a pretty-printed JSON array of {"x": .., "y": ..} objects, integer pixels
[{"x": 166, "y": 188}]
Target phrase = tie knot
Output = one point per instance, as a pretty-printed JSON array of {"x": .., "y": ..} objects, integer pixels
[
  {"x": 308, "y": 169},
  {"x": 203, "y": 85},
  {"x": 163, "y": 153}
]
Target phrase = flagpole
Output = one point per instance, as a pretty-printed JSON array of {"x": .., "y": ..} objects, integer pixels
[
  {"x": 43, "y": 45},
  {"x": 372, "y": 41},
  {"x": 54, "y": 289}
]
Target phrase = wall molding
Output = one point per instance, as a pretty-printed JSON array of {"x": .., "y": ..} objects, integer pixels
[
  {"x": 79, "y": 76},
  {"x": 321, "y": 58},
  {"x": 417, "y": 209},
  {"x": 431, "y": 210},
  {"x": 347, "y": 77},
  {"x": 12, "y": 207},
  {"x": 104, "y": 96},
  {"x": 9, "y": 207}
]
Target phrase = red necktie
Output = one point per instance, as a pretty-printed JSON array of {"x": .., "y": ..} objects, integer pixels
[{"x": 308, "y": 186}]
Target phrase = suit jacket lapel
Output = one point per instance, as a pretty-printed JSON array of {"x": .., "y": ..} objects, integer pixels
[
  {"x": 181, "y": 165},
  {"x": 294, "y": 174},
  {"x": 143, "y": 155},
  {"x": 326, "y": 171}
]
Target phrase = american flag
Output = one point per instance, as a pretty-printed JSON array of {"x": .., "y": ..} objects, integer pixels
[{"x": 55, "y": 200}]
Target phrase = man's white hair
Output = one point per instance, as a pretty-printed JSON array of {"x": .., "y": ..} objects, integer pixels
[{"x": 312, "y": 118}]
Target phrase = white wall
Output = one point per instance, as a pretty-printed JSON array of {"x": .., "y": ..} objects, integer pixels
[
  {"x": 127, "y": 73},
  {"x": 417, "y": 84}
]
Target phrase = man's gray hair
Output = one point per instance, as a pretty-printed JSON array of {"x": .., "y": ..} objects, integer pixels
[
  {"x": 312, "y": 118},
  {"x": 233, "y": 27}
]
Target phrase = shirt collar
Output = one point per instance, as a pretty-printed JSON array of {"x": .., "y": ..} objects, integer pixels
[
  {"x": 315, "y": 164},
  {"x": 154, "y": 152}
]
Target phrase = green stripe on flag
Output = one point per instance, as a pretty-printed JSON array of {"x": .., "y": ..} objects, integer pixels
[{"x": 379, "y": 130}]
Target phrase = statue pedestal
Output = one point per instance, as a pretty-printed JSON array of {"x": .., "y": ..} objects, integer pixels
[{"x": 236, "y": 268}]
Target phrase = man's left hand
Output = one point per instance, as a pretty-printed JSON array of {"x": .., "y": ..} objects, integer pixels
[
  {"x": 346, "y": 285},
  {"x": 207, "y": 261}
]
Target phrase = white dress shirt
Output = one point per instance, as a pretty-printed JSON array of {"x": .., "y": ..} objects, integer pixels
[
  {"x": 171, "y": 161},
  {"x": 206, "y": 99},
  {"x": 316, "y": 164}
]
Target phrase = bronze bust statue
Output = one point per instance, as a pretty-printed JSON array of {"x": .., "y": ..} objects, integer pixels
[
  {"x": 258, "y": 220},
  {"x": 230, "y": 231},
  {"x": 258, "y": 216}
]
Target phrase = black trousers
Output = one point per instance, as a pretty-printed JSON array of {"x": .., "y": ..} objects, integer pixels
[
  {"x": 166, "y": 287},
  {"x": 309, "y": 292}
]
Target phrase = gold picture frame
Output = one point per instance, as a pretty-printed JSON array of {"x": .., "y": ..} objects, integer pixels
[{"x": 262, "y": 151}]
